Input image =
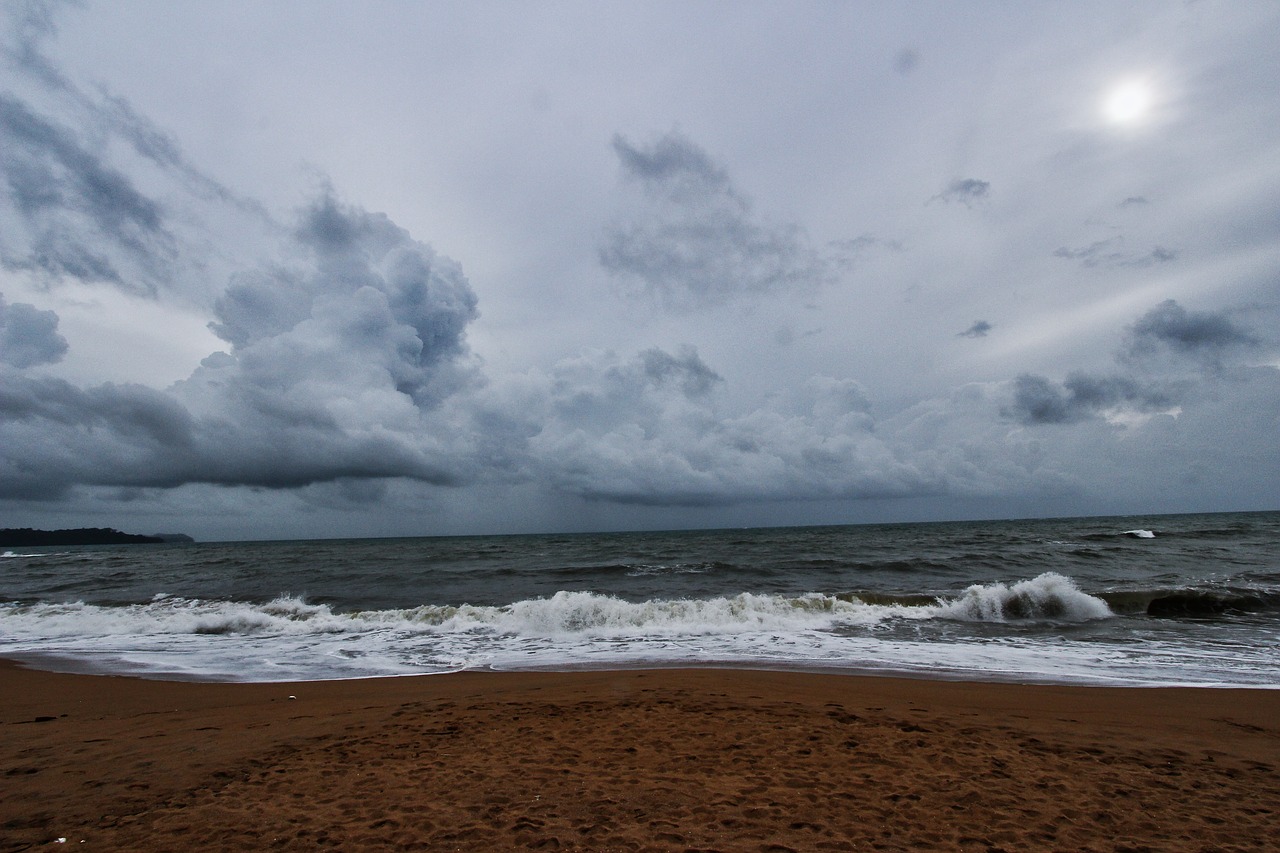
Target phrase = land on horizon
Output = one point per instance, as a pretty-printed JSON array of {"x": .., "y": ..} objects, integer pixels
[{"x": 26, "y": 536}]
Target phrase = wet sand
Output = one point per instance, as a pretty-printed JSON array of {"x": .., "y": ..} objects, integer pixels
[{"x": 729, "y": 760}]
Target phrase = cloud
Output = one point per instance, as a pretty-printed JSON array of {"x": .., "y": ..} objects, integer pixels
[
  {"x": 1171, "y": 327},
  {"x": 1037, "y": 400},
  {"x": 347, "y": 381},
  {"x": 608, "y": 429},
  {"x": 1153, "y": 384},
  {"x": 1109, "y": 253},
  {"x": 370, "y": 296},
  {"x": 964, "y": 191},
  {"x": 340, "y": 366},
  {"x": 694, "y": 241},
  {"x": 906, "y": 61},
  {"x": 83, "y": 175},
  {"x": 29, "y": 336},
  {"x": 31, "y": 22},
  {"x": 75, "y": 215},
  {"x": 846, "y": 254},
  {"x": 358, "y": 347}
]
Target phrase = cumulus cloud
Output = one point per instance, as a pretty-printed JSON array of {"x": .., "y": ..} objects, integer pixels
[
  {"x": 964, "y": 191},
  {"x": 695, "y": 241},
  {"x": 338, "y": 367},
  {"x": 371, "y": 295},
  {"x": 29, "y": 336},
  {"x": 619, "y": 430},
  {"x": 1111, "y": 253}
]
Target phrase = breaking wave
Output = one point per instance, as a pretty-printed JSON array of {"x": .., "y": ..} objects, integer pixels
[{"x": 1049, "y": 597}]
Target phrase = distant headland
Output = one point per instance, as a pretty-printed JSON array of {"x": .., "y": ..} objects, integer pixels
[{"x": 25, "y": 536}]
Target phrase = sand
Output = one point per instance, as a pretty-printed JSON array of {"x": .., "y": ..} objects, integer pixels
[{"x": 635, "y": 760}]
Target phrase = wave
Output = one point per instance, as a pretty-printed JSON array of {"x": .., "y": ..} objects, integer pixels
[
  {"x": 1194, "y": 602},
  {"x": 1136, "y": 533},
  {"x": 1049, "y": 597}
]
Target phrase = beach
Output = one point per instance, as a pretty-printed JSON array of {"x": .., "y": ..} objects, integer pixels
[{"x": 660, "y": 759}]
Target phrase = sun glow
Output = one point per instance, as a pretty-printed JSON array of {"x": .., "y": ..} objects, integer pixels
[{"x": 1128, "y": 102}]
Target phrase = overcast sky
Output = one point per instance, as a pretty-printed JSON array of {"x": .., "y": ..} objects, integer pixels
[{"x": 300, "y": 269}]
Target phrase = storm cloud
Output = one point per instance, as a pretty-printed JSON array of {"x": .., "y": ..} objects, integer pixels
[
  {"x": 1037, "y": 400},
  {"x": 335, "y": 365},
  {"x": 1169, "y": 326}
]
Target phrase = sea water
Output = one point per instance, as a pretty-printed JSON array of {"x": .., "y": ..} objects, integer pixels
[{"x": 1159, "y": 600}]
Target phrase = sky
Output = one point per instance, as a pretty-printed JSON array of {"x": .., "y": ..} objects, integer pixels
[{"x": 324, "y": 268}]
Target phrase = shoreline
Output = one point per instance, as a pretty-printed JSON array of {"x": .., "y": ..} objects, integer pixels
[
  {"x": 52, "y": 662},
  {"x": 656, "y": 759}
]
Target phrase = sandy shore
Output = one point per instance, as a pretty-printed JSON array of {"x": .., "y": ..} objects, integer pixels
[{"x": 641, "y": 760}]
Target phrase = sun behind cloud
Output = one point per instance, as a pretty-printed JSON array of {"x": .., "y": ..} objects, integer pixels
[{"x": 1128, "y": 102}]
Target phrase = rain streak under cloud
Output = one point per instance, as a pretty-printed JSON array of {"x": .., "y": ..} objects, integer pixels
[{"x": 410, "y": 269}]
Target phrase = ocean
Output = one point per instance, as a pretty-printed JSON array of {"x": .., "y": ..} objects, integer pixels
[{"x": 1137, "y": 601}]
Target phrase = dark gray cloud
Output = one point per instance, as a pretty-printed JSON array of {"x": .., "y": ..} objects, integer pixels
[
  {"x": 673, "y": 167},
  {"x": 82, "y": 175},
  {"x": 1134, "y": 200},
  {"x": 1037, "y": 400},
  {"x": 965, "y": 191},
  {"x": 58, "y": 437},
  {"x": 695, "y": 241},
  {"x": 31, "y": 23},
  {"x": 1169, "y": 326},
  {"x": 1111, "y": 253},
  {"x": 979, "y": 329},
  {"x": 337, "y": 366},
  {"x": 73, "y": 211},
  {"x": 29, "y": 336}
]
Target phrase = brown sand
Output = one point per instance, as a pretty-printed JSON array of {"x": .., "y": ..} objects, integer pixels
[{"x": 639, "y": 760}]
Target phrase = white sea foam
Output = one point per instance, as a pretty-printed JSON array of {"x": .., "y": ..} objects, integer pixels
[
  {"x": 1140, "y": 534},
  {"x": 288, "y": 638},
  {"x": 1047, "y": 597}
]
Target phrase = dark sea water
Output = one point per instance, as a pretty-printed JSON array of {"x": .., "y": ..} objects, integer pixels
[{"x": 1158, "y": 600}]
